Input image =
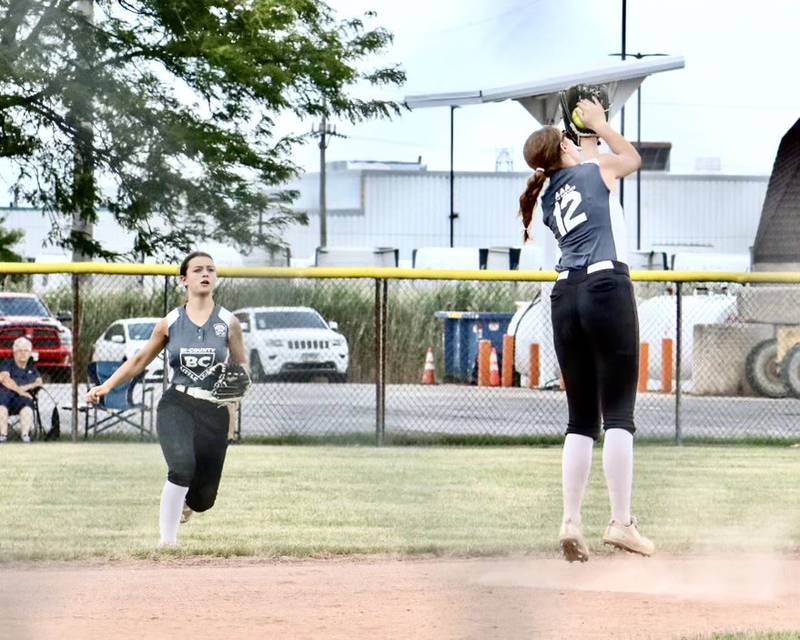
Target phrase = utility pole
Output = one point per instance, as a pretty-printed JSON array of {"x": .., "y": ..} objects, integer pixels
[
  {"x": 323, "y": 132},
  {"x": 638, "y": 56},
  {"x": 453, "y": 215}
]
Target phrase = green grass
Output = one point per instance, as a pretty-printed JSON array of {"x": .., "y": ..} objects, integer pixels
[{"x": 100, "y": 500}]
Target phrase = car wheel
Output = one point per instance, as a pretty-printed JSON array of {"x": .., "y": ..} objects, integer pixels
[
  {"x": 763, "y": 370},
  {"x": 790, "y": 370},
  {"x": 256, "y": 368}
]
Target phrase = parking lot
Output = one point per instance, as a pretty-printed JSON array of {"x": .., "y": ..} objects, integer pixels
[{"x": 318, "y": 409}]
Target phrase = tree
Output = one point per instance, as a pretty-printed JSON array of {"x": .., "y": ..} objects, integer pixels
[
  {"x": 8, "y": 238},
  {"x": 171, "y": 105}
]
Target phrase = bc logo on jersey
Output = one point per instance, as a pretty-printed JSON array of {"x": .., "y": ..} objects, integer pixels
[{"x": 196, "y": 362}]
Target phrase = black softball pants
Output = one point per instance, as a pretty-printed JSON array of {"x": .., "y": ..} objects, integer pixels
[
  {"x": 596, "y": 335},
  {"x": 193, "y": 434}
]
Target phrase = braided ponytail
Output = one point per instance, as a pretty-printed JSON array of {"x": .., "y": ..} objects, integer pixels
[
  {"x": 542, "y": 152},
  {"x": 527, "y": 201}
]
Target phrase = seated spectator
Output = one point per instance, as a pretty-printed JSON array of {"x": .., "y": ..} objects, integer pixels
[{"x": 17, "y": 380}]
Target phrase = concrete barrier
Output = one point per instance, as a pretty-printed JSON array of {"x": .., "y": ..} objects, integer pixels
[
  {"x": 719, "y": 355},
  {"x": 769, "y": 304}
]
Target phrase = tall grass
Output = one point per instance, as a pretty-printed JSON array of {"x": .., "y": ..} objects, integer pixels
[{"x": 411, "y": 305}]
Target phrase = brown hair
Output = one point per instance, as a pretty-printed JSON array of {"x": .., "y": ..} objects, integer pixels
[
  {"x": 542, "y": 151},
  {"x": 194, "y": 254}
]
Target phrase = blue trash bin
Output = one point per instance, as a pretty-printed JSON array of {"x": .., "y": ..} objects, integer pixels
[{"x": 463, "y": 330}]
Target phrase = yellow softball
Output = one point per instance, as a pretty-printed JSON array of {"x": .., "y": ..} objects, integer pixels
[{"x": 576, "y": 118}]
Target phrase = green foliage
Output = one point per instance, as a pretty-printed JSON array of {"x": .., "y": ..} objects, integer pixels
[
  {"x": 104, "y": 299},
  {"x": 9, "y": 238},
  {"x": 172, "y": 104}
]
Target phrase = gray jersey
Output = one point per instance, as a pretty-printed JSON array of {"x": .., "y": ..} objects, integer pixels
[
  {"x": 584, "y": 216},
  {"x": 194, "y": 350}
]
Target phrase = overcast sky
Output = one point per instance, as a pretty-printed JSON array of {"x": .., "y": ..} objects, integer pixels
[{"x": 736, "y": 97}]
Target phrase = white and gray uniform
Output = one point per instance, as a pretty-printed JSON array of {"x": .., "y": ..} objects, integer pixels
[
  {"x": 193, "y": 431},
  {"x": 595, "y": 325},
  {"x": 585, "y": 217},
  {"x": 193, "y": 351}
]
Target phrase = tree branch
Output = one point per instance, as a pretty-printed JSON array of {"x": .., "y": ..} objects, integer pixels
[
  {"x": 46, "y": 18},
  {"x": 8, "y": 101}
]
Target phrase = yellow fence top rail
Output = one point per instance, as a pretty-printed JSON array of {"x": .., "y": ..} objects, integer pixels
[{"x": 86, "y": 268}]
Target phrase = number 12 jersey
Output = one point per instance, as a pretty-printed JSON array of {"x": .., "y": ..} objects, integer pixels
[{"x": 585, "y": 217}]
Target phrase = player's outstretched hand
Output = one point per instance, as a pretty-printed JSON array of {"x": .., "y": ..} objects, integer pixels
[{"x": 95, "y": 393}]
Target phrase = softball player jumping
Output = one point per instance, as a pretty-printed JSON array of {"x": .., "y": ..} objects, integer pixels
[
  {"x": 595, "y": 324},
  {"x": 192, "y": 424}
]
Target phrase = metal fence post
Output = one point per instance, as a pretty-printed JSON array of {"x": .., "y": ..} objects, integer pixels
[
  {"x": 380, "y": 360},
  {"x": 76, "y": 347},
  {"x": 384, "y": 329},
  {"x": 678, "y": 341}
]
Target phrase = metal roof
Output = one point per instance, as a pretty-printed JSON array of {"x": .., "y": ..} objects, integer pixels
[
  {"x": 540, "y": 97},
  {"x": 778, "y": 237}
]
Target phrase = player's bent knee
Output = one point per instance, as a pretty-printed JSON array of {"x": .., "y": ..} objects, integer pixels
[
  {"x": 202, "y": 501},
  {"x": 181, "y": 477}
]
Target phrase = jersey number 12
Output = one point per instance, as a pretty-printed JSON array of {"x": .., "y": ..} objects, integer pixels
[{"x": 565, "y": 210}]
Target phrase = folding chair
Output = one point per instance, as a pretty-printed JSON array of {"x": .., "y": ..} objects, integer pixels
[
  {"x": 118, "y": 407},
  {"x": 37, "y": 432}
]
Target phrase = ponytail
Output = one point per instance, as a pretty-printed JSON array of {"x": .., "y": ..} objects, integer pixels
[
  {"x": 543, "y": 155},
  {"x": 527, "y": 201}
]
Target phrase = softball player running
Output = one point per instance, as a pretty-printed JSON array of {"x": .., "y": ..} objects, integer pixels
[
  {"x": 595, "y": 324},
  {"x": 192, "y": 422}
]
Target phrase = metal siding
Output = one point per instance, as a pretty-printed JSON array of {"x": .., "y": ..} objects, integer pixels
[
  {"x": 37, "y": 228},
  {"x": 716, "y": 213},
  {"x": 408, "y": 210}
]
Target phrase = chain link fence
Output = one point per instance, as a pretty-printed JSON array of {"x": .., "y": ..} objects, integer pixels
[{"x": 383, "y": 357}]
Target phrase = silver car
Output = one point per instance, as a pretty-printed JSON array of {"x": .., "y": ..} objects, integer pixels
[{"x": 123, "y": 338}]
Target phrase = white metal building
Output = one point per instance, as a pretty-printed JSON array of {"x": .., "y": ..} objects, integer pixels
[{"x": 410, "y": 209}]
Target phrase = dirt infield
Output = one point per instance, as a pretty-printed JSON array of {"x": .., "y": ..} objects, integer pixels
[{"x": 529, "y": 597}]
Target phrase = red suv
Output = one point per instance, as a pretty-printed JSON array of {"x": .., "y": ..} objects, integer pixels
[{"x": 24, "y": 314}]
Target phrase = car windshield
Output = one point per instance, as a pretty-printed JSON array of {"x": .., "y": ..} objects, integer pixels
[
  {"x": 22, "y": 307},
  {"x": 141, "y": 330},
  {"x": 288, "y": 320}
]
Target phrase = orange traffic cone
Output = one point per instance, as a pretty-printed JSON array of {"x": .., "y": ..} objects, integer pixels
[
  {"x": 429, "y": 372},
  {"x": 494, "y": 370}
]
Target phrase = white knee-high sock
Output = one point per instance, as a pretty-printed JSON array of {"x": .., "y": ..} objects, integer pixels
[
  {"x": 618, "y": 467},
  {"x": 576, "y": 463},
  {"x": 172, "y": 497}
]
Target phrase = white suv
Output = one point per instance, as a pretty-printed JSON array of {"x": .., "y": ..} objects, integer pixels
[
  {"x": 294, "y": 343},
  {"x": 123, "y": 339}
]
